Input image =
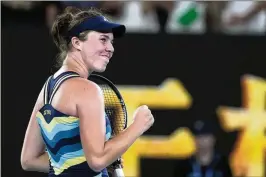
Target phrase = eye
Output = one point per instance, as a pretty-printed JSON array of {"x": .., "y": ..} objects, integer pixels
[{"x": 103, "y": 40}]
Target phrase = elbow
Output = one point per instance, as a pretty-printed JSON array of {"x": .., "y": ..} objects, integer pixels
[
  {"x": 25, "y": 165},
  {"x": 96, "y": 164}
]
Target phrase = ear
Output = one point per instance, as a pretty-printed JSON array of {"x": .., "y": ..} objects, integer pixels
[{"x": 76, "y": 43}]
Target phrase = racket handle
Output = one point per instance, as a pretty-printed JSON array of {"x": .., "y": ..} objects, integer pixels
[{"x": 119, "y": 172}]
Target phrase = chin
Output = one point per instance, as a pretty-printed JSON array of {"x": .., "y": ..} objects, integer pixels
[{"x": 100, "y": 70}]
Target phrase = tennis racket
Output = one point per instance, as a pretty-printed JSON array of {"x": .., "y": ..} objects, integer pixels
[{"x": 116, "y": 111}]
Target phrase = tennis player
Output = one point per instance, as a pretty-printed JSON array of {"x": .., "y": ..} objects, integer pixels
[{"x": 68, "y": 133}]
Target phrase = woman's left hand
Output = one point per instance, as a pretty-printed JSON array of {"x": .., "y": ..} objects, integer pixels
[
  {"x": 111, "y": 167},
  {"x": 122, "y": 163}
]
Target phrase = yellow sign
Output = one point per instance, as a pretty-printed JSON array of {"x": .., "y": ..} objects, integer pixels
[
  {"x": 249, "y": 154},
  {"x": 169, "y": 95},
  {"x": 248, "y": 157}
]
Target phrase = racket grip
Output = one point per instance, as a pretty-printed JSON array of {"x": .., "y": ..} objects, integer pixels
[{"x": 118, "y": 172}]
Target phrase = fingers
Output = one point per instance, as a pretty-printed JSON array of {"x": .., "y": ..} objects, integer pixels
[
  {"x": 148, "y": 113},
  {"x": 122, "y": 162},
  {"x": 144, "y": 107}
]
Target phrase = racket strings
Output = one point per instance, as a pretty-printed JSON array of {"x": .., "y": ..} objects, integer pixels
[{"x": 114, "y": 109}]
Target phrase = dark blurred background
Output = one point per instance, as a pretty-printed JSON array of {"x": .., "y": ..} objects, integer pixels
[{"x": 199, "y": 65}]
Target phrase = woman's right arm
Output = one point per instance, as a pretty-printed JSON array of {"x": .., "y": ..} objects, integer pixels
[{"x": 90, "y": 108}]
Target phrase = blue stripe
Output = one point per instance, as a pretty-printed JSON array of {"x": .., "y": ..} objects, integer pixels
[
  {"x": 57, "y": 128},
  {"x": 59, "y": 136},
  {"x": 66, "y": 157},
  {"x": 62, "y": 143},
  {"x": 108, "y": 129},
  {"x": 66, "y": 150}
]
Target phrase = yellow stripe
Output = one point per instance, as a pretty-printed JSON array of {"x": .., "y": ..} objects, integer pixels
[
  {"x": 69, "y": 163},
  {"x": 55, "y": 121}
]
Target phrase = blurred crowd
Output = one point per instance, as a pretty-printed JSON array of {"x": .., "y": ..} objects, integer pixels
[
  {"x": 207, "y": 160},
  {"x": 197, "y": 17}
]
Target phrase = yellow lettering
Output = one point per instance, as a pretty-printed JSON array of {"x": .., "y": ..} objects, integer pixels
[
  {"x": 47, "y": 112},
  {"x": 248, "y": 157},
  {"x": 169, "y": 95}
]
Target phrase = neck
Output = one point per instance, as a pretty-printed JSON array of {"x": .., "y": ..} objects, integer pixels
[
  {"x": 204, "y": 158},
  {"x": 74, "y": 62}
]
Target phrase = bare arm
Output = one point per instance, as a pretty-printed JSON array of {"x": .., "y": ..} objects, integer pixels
[
  {"x": 92, "y": 130},
  {"x": 33, "y": 155}
]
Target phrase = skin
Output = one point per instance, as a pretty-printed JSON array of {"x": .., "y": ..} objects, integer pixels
[{"x": 84, "y": 57}]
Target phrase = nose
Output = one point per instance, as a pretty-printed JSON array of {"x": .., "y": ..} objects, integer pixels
[{"x": 110, "y": 47}]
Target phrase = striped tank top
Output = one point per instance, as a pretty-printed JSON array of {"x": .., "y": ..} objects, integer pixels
[{"x": 61, "y": 135}]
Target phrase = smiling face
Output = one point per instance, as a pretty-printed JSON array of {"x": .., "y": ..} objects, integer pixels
[{"x": 97, "y": 50}]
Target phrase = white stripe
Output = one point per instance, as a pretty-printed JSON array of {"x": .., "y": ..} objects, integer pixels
[{"x": 46, "y": 90}]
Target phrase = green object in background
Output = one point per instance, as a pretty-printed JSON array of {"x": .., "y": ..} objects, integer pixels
[{"x": 189, "y": 16}]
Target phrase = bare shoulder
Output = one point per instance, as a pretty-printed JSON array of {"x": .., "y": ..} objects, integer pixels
[
  {"x": 84, "y": 87},
  {"x": 89, "y": 98}
]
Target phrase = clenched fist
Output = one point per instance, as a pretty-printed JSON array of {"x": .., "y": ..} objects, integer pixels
[{"x": 143, "y": 118}]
